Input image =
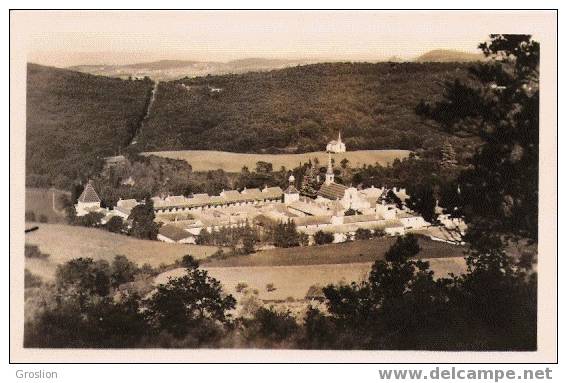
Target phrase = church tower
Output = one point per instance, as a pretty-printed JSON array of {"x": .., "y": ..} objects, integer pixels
[{"x": 330, "y": 176}]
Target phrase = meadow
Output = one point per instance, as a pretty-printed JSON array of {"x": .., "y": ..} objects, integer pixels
[
  {"x": 337, "y": 253},
  {"x": 204, "y": 160},
  {"x": 64, "y": 242},
  {"x": 293, "y": 282},
  {"x": 46, "y": 203}
]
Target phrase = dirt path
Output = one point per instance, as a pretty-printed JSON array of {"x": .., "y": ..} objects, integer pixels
[{"x": 146, "y": 114}]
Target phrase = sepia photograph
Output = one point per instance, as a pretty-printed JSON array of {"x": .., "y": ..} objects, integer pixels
[{"x": 283, "y": 180}]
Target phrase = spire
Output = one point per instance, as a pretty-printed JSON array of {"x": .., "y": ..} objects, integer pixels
[
  {"x": 339, "y": 136},
  {"x": 330, "y": 176}
]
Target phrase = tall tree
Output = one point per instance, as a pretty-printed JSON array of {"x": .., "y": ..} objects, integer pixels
[
  {"x": 185, "y": 304},
  {"x": 498, "y": 104},
  {"x": 499, "y": 190},
  {"x": 142, "y": 217}
]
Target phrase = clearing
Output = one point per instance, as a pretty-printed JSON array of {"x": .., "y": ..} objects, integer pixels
[{"x": 204, "y": 160}]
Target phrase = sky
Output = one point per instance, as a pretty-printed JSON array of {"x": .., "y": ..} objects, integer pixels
[{"x": 124, "y": 37}]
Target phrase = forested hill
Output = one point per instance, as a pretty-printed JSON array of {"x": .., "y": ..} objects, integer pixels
[
  {"x": 74, "y": 119},
  {"x": 299, "y": 109}
]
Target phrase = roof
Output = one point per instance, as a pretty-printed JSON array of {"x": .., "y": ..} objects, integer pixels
[
  {"x": 250, "y": 191},
  {"x": 405, "y": 214},
  {"x": 273, "y": 190},
  {"x": 127, "y": 203},
  {"x": 174, "y": 233},
  {"x": 312, "y": 220},
  {"x": 332, "y": 191},
  {"x": 360, "y": 218},
  {"x": 308, "y": 208},
  {"x": 89, "y": 194},
  {"x": 228, "y": 196}
]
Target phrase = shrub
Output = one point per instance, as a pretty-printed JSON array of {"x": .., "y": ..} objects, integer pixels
[
  {"x": 315, "y": 292},
  {"x": 30, "y": 216},
  {"x": 115, "y": 225},
  {"x": 362, "y": 234},
  {"x": 189, "y": 262},
  {"x": 271, "y": 325},
  {"x": 241, "y": 286},
  {"x": 322, "y": 237},
  {"x": 31, "y": 280},
  {"x": 32, "y": 251}
]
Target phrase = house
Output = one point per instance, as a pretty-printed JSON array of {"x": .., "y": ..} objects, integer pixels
[
  {"x": 124, "y": 207},
  {"x": 174, "y": 234},
  {"x": 336, "y": 146},
  {"x": 88, "y": 202},
  {"x": 411, "y": 221},
  {"x": 348, "y": 197}
]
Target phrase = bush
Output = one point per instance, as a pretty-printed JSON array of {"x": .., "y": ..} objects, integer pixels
[
  {"x": 30, "y": 216},
  {"x": 322, "y": 237},
  {"x": 315, "y": 292},
  {"x": 271, "y": 325},
  {"x": 189, "y": 262},
  {"x": 43, "y": 218},
  {"x": 241, "y": 286},
  {"x": 89, "y": 220},
  {"x": 362, "y": 234},
  {"x": 32, "y": 251},
  {"x": 115, "y": 225},
  {"x": 31, "y": 280}
]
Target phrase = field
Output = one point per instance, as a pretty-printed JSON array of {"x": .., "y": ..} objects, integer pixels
[
  {"x": 63, "y": 243},
  {"x": 294, "y": 281},
  {"x": 339, "y": 253},
  {"x": 44, "y": 202},
  {"x": 204, "y": 160},
  {"x": 292, "y": 271}
]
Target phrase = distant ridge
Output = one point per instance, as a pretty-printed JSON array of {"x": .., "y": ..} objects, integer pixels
[
  {"x": 449, "y": 55},
  {"x": 175, "y": 69}
]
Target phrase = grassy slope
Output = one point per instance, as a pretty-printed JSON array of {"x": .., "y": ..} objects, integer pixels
[
  {"x": 300, "y": 107},
  {"x": 73, "y": 118},
  {"x": 40, "y": 202},
  {"x": 204, "y": 160},
  {"x": 341, "y": 253},
  {"x": 64, "y": 243}
]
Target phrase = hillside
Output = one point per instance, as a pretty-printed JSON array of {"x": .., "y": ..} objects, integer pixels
[
  {"x": 298, "y": 109},
  {"x": 64, "y": 242},
  {"x": 73, "y": 119},
  {"x": 449, "y": 55},
  {"x": 164, "y": 70}
]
